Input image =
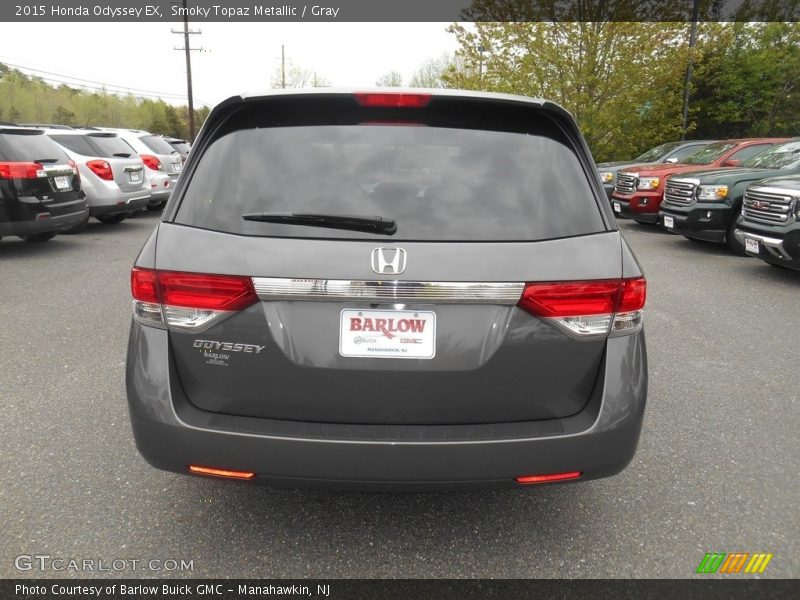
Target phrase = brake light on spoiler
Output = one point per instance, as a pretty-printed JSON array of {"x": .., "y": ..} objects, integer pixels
[
  {"x": 588, "y": 309},
  {"x": 392, "y": 99},
  {"x": 188, "y": 301}
]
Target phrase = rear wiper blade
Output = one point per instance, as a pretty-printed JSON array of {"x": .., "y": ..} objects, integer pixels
[
  {"x": 375, "y": 224},
  {"x": 45, "y": 160},
  {"x": 122, "y": 154}
]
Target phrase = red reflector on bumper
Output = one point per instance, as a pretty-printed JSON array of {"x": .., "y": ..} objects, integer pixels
[
  {"x": 221, "y": 472},
  {"x": 549, "y": 477}
]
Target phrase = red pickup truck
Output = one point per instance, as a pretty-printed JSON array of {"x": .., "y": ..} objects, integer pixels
[{"x": 639, "y": 189}]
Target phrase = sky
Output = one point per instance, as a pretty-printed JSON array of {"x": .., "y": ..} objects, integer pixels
[{"x": 239, "y": 56}]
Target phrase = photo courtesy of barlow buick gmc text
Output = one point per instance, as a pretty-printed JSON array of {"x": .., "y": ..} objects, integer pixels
[{"x": 368, "y": 299}]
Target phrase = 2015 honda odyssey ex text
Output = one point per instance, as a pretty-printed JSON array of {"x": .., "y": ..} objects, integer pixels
[{"x": 397, "y": 289}]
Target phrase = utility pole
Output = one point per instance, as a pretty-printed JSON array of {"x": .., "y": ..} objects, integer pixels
[
  {"x": 283, "y": 69},
  {"x": 187, "y": 50},
  {"x": 688, "y": 79}
]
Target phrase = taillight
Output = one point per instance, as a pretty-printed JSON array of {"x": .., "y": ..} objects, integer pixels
[
  {"x": 75, "y": 171},
  {"x": 21, "y": 170},
  {"x": 588, "y": 309},
  {"x": 188, "y": 301},
  {"x": 101, "y": 168},
  {"x": 151, "y": 162},
  {"x": 392, "y": 99}
]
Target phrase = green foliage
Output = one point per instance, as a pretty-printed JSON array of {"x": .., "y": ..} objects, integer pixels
[
  {"x": 748, "y": 80},
  {"x": 624, "y": 81},
  {"x": 30, "y": 99}
]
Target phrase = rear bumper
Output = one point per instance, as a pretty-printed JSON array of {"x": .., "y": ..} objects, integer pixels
[
  {"x": 124, "y": 205},
  {"x": 708, "y": 222},
  {"x": 48, "y": 224},
  {"x": 598, "y": 441}
]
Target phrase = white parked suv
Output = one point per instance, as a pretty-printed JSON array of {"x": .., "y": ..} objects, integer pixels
[
  {"x": 162, "y": 163},
  {"x": 112, "y": 174}
]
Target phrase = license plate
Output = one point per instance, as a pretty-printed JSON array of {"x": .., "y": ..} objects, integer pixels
[
  {"x": 387, "y": 333},
  {"x": 176, "y": 167},
  {"x": 136, "y": 176},
  {"x": 751, "y": 245},
  {"x": 617, "y": 207},
  {"x": 669, "y": 222},
  {"x": 62, "y": 182}
]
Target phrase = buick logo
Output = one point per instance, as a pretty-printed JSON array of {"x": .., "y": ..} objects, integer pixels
[{"x": 388, "y": 261}]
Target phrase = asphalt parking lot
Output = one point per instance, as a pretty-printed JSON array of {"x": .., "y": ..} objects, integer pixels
[{"x": 716, "y": 468}]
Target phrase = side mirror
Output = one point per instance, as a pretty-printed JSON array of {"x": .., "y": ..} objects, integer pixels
[
  {"x": 732, "y": 162},
  {"x": 672, "y": 160}
]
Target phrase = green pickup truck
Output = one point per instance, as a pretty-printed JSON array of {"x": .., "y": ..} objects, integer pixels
[
  {"x": 704, "y": 205},
  {"x": 769, "y": 226}
]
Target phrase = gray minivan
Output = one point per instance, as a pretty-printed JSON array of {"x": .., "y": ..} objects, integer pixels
[{"x": 391, "y": 289}]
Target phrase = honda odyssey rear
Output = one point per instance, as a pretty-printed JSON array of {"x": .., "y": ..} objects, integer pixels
[{"x": 394, "y": 290}]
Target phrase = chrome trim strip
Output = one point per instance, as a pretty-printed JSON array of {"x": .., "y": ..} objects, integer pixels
[
  {"x": 766, "y": 189},
  {"x": 773, "y": 245},
  {"x": 434, "y": 292}
]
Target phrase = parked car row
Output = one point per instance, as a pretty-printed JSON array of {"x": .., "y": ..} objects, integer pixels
[
  {"x": 53, "y": 178},
  {"x": 741, "y": 193}
]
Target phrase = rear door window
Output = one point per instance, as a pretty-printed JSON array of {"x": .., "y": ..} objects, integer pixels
[
  {"x": 76, "y": 143},
  {"x": 109, "y": 146},
  {"x": 437, "y": 183}
]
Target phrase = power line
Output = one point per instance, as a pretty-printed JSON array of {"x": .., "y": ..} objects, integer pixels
[
  {"x": 85, "y": 83},
  {"x": 89, "y": 81}
]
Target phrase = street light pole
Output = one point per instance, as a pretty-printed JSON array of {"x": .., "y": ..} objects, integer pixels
[
  {"x": 688, "y": 79},
  {"x": 188, "y": 71},
  {"x": 187, "y": 51}
]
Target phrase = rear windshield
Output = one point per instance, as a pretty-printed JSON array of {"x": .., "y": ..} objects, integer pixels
[
  {"x": 30, "y": 147},
  {"x": 777, "y": 157},
  {"x": 437, "y": 183},
  {"x": 657, "y": 153},
  {"x": 708, "y": 154},
  {"x": 109, "y": 146},
  {"x": 79, "y": 144},
  {"x": 157, "y": 144},
  {"x": 180, "y": 147}
]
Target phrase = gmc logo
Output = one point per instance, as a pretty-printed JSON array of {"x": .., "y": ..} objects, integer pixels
[{"x": 387, "y": 327}]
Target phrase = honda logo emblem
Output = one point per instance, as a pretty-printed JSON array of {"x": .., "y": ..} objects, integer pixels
[{"x": 388, "y": 261}]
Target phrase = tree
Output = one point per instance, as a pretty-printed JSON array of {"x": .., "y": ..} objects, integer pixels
[
  {"x": 390, "y": 79},
  {"x": 432, "y": 73},
  {"x": 24, "y": 98},
  {"x": 624, "y": 99},
  {"x": 296, "y": 76},
  {"x": 748, "y": 80}
]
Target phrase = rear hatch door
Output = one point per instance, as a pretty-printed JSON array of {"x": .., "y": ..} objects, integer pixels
[
  {"x": 56, "y": 185},
  {"x": 415, "y": 326},
  {"x": 169, "y": 157},
  {"x": 126, "y": 165}
]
